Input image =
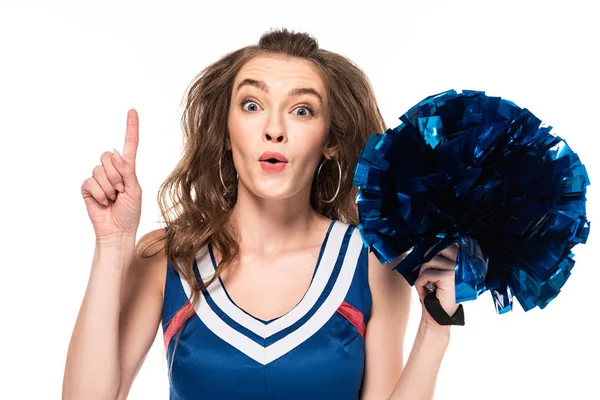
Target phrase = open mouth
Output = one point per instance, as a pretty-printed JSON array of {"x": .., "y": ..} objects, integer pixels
[
  {"x": 273, "y": 165},
  {"x": 273, "y": 161}
]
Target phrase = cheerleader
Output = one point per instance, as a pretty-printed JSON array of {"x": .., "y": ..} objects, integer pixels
[{"x": 260, "y": 280}]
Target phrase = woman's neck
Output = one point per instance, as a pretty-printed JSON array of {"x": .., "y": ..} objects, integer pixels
[{"x": 273, "y": 226}]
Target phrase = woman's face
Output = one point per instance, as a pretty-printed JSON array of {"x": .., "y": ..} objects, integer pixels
[{"x": 278, "y": 104}]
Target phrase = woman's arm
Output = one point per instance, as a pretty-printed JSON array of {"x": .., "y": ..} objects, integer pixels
[
  {"x": 418, "y": 379},
  {"x": 385, "y": 375},
  {"x": 384, "y": 337},
  {"x": 117, "y": 322}
]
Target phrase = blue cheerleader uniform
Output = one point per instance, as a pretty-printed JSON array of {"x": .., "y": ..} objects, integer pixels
[{"x": 315, "y": 351}]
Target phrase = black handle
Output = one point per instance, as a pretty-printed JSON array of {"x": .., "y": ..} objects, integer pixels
[{"x": 435, "y": 309}]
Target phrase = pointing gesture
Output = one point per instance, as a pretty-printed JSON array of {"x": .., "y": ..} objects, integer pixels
[
  {"x": 112, "y": 195},
  {"x": 132, "y": 137},
  {"x": 129, "y": 150}
]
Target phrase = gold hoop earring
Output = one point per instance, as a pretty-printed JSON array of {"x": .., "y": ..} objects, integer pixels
[
  {"x": 339, "y": 179},
  {"x": 221, "y": 176}
]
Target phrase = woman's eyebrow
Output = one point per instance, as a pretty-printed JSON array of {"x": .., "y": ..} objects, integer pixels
[
  {"x": 299, "y": 91},
  {"x": 293, "y": 92}
]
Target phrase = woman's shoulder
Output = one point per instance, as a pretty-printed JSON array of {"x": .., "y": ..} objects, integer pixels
[
  {"x": 153, "y": 241},
  {"x": 388, "y": 287},
  {"x": 150, "y": 258}
]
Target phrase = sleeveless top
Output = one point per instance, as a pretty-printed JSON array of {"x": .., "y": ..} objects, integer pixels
[{"x": 315, "y": 351}]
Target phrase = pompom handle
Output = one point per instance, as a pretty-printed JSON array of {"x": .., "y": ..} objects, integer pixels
[{"x": 437, "y": 312}]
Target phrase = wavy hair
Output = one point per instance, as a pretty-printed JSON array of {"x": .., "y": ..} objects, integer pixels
[{"x": 200, "y": 208}]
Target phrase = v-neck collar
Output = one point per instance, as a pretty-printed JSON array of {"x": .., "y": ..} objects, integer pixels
[
  {"x": 327, "y": 258},
  {"x": 323, "y": 244},
  {"x": 265, "y": 343}
]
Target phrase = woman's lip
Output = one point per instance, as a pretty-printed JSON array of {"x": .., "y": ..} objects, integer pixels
[
  {"x": 272, "y": 167},
  {"x": 273, "y": 154}
]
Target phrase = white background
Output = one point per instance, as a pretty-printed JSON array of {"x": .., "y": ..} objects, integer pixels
[{"x": 70, "y": 71}]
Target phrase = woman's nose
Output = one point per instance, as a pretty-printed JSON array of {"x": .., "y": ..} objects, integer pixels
[
  {"x": 275, "y": 128},
  {"x": 277, "y": 137}
]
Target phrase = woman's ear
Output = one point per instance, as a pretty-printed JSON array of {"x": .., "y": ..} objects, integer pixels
[{"x": 331, "y": 151}]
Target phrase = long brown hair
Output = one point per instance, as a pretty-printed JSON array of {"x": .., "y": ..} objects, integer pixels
[{"x": 200, "y": 207}]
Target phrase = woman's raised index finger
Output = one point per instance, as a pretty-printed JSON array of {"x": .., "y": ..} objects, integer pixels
[{"x": 131, "y": 137}]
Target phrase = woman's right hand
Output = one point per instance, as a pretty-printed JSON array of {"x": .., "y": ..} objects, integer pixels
[{"x": 112, "y": 195}]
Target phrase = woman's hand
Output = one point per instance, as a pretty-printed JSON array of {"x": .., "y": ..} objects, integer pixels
[
  {"x": 439, "y": 271},
  {"x": 112, "y": 195}
]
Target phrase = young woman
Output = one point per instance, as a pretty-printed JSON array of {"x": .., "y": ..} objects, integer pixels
[{"x": 260, "y": 279}]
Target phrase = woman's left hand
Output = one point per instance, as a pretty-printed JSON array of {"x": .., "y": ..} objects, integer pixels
[{"x": 440, "y": 272}]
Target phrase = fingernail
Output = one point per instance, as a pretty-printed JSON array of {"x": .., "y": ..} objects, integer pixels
[
  {"x": 105, "y": 202},
  {"x": 113, "y": 197},
  {"x": 119, "y": 158},
  {"x": 120, "y": 188}
]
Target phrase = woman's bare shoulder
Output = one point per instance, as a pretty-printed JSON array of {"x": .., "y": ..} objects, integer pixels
[{"x": 150, "y": 257}]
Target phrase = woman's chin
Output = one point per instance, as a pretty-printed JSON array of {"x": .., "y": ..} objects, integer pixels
[{"x": 273, "y": 192}]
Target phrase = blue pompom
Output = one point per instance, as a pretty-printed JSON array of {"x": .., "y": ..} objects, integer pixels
[{"x": 479, "y": 171}]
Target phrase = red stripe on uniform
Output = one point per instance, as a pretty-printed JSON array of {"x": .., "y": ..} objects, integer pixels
[
  {"x": 355, "y": 317},
  {"x": 175, "y": 323}
]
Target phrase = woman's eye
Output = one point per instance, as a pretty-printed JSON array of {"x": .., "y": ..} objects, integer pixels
[
  {"x": 252, "y": 106},
  {"x": 305, "y": 111}
]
